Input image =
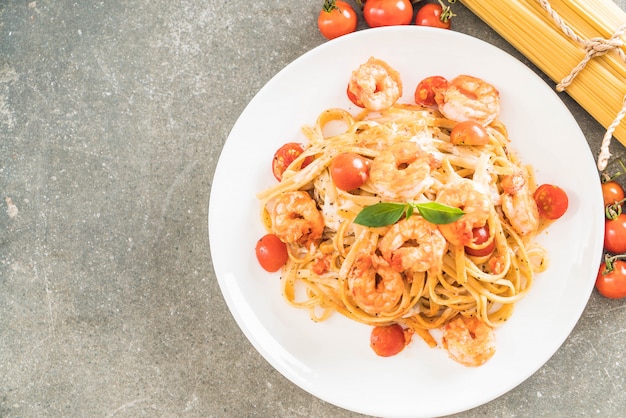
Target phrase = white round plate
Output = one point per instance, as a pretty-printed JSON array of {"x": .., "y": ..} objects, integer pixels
[{"x": 332, "y": 360}]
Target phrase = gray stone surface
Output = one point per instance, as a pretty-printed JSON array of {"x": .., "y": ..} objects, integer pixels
[{"x": 112, "y": 118}]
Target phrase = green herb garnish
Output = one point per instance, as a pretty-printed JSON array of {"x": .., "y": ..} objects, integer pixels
[{"x": 386, "y": 213}]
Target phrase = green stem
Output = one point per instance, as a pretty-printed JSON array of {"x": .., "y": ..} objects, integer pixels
[
  {"x": 329, "y": 6},
  {"x": 609, "y": 262},
  {"x": 604, "y": 177},
  {"x": 613, "y": 210},
  {"x": 446, "y": 11}
]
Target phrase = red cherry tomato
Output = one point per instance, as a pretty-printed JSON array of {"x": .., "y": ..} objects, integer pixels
[
  {"x": 612, "y": 192},
  {"x": 612, "y": 284},
  {"x": 387, "y": 340},
  {"x": 551, "y": 201},
  {"x": 387, "y": 12},
  {"x": 336, "y": 18},
  {"x": 349, "y": 170},
  {"x": 481, "y": 235},
  {"x": 469, "y": 132},
  {"x": 271, "y": 252},
  {"x": 426, "y": 90},
  {"x": 286, "y": 155},
  {"x": 353, "y": 97},
  {"x": 432, "y": 15},
  {"x": 615, "y": 234}
]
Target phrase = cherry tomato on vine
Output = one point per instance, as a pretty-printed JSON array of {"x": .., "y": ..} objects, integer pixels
[
  {"x": 387, "y": 12},
  {"x": 552, "y": 201},
  {"x": 336, "y": 18},
  {"x": 612, "y": 192},
  {"x": 271, "y": 252},
  {"x": 433, "y": 15},
  {"x": 387, "y": 340},
  {"x": 349, "y": 170},
  {"x": 611, "y": 283},
  {"x": 481, "y": 235},
  {"x": 469, "y": 132},
  {"x": 615, "y": 234},
  {"x": 426, "y": 90},
  {"x": 286, "y": 155}
]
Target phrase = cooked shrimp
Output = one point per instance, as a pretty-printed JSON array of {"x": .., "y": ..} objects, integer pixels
[
  {"x": 375, "y": 85},
  {"x": 469, "y": 341},
  {"x": 464, "y": 194},
  {"x": 413, "y": 244},
  {"x": 513, "y": 183},
  {"x": 402, "y": 171},
  {"x": 469, "y": 98},
  {"x": 375, "y": 288},
  {"x": 295, "y": 218},
  {"x": 518, "y": 203}
]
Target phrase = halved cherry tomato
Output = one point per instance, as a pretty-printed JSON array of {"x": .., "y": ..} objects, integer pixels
[
  {"x": 286, "y": 155},
  {"x": 387, "y": 340},
  {"x": 336, "y": 18},
  {"x": 387, "y": 12},
  {"x": 426, "y": 90},
  {"x": 349, "y": 170},
  {"x": 552, "y": 201},
  {"x": 481, "y": 235},
  {"x": 271, "y": 252},
  {"x": 612, "y": 284},
  {"x": 469, "y": 132},
  {"x": 615, "y": 234},
  {"x": 433, "y": 15},
  {"x": 612, "y": 192}
]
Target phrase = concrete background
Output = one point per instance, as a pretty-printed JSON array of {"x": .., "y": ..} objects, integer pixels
[{"x": 112, "y": 118}]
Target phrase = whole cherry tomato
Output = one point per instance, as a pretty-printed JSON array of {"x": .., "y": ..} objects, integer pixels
[
  {"x": 336, "y": 18},
  {"x": 353, "y": 98},
  {"x": 481, "y": 235},
  {"x": 387, "y": 12},
  {"x": 426, "y": 90},
  {"x": 611, "y": 282},
  {"x": 349, "y": 170},
  {"x": 286, "y": 155},
  {"x": 271, "y": 252},
  {"x": 433, "y": 15},
  {"x": 552, "y": 201},
  {"x": 387, "y": 340},
  {"x": 469, "y": 132},
  {"x": 615, "y": 234},
  {"x": 612, "y": 192}
]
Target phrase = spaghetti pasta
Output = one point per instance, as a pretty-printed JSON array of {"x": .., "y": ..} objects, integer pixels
[{"x": 413, "y": 272}]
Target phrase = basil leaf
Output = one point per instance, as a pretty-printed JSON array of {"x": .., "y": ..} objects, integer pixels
[
  {"x": 380, "y": 214},
  {"x": 437, "y": 213},
  {"x": 386, "y": 213}
]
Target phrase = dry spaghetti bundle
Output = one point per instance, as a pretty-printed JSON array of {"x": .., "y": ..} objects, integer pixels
[{"x": 577, "y": 43}]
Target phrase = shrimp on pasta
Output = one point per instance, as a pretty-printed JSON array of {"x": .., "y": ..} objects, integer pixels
[
  {"x": 295, "y": 218},
  {"x": 469, "y": 98},
  {"x": 465, "y": 194},
  {"x": 413, "y": 244},
  {"x": 375, "y": 287},
  {"x": 402, "y": 171},
  {"x": 375, "y": 85},
  {"x": 420, "y": 270}
]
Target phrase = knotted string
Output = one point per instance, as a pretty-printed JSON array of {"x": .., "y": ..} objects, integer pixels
[{"x": 594, "y": 47}]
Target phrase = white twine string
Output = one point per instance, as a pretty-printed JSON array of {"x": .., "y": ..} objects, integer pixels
[{"x": 594, "y": 47}]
